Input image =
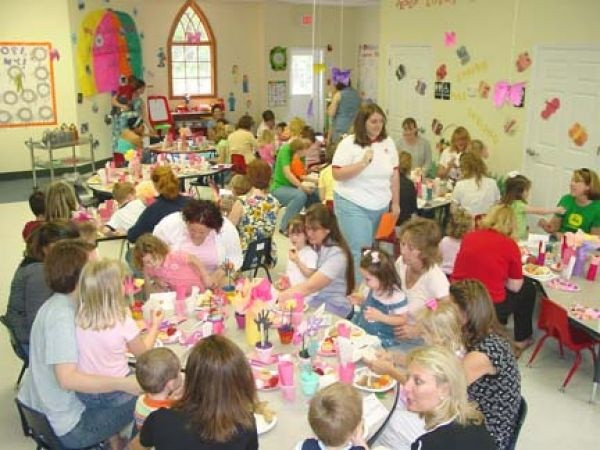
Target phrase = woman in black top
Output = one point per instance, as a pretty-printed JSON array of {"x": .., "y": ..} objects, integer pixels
[
  {"x": 216, "y": 411},
  {"x": 408, "y": 193},
  {"x": 436, "y": 389}
]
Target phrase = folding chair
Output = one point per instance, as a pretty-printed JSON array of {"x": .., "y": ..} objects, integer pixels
[
  {"x": 16, "y": 346},
  {"x": 554, "y": 321},
  {"x": 258, "y": 255}
]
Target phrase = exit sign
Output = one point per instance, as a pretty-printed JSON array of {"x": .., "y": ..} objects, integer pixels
[{"x": 307, "y": 19}]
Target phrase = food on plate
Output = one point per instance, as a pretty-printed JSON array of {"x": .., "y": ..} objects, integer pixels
[
  {"x": 328, "y": 345},
  {"x": 375, "y": 382},
  {"x": 266, "y": 379},
  {"x": 534, "y": 269},
  {"x": 262, "y": 408}
]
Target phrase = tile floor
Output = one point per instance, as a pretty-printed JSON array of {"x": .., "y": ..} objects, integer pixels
[{"x": 555, "y": 421}]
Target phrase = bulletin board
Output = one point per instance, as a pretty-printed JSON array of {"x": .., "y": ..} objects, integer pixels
[
  {"x": 368, "y": 59},
  {"x": 27, "y": 95}
]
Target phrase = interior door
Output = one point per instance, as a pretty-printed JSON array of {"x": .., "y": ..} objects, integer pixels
[
  {"x": 550, "y": 155},
  {"x": 402, "y": 99},
  {"x": 306, "y": 98}
]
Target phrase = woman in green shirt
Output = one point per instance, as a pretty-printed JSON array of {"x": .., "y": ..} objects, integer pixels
[{"x": 582, "y": 206}]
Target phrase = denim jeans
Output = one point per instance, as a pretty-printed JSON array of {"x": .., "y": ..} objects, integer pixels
[
  {"x": 98, "y": 424},
  {"x": 294, "y": 199},
  {"x": 358, "y": 225},
  {"x": 105, "y": 400}
]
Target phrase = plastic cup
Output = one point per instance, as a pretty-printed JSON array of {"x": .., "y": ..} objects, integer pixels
[
  {"x": 297, "y": 317},
  {"x": 346, "y": 373},
  {"x": 343, "y": 330},
  {"x": 264, "y": 354},
  {"x": 180, "y": 292},
  {"x": 309, "y": 382},
  {"x": 288, "y": 393},
  {"x": 305, "y": 364},
  {"x": 286, "y": 373},
  {"x": 285, "y": 335},
  {"x": 240, "y": 320},
  {"x": 218, "y": 326}
]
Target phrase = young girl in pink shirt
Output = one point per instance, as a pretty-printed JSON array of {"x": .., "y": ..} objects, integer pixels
[
  {"x": 105, "y": 330},
  {"x": 168, "y": 270}
]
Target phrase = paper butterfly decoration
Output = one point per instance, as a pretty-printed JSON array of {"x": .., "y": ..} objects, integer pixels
[
  {"x": 510, "y": 127},
  {"x": 340, "y": 76},
  {"x": 449, "y": 38},
  {"x": 436, "y": 127},
  {"x": 420, "y": 87},
  {"x": 193, "y": 38},
  {"x": 505, "y": 92},
  {"x": 578, "y": 134},
  {"x": 441, "y": 72},
  {"x": 400, "y": 72},
  {"x": 551, "y": 107},
  {"x": 54, "y": 54}
]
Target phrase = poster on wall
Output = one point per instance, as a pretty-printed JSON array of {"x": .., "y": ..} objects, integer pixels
[
  {"x": 26, "y": 84},
  {"x": 277, "y": 93},
  {"x": 366, "y": 84}
]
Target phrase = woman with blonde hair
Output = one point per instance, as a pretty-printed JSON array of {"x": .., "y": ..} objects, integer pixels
[
  {"x": 169, "y": 200},
  {"x": 491, "y": 255},
  {"x": 61, "y": 201},
  {"x": 436, "y": 389},
  {"x": 449, "y": 166},
  {"x": 475, "y": 191}
]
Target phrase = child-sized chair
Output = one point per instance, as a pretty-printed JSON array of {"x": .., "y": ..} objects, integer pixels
[
  {"x": 555, "y": 322},
  {"x": 239, "y": 163},
  {"x": 16, "y": 346}
]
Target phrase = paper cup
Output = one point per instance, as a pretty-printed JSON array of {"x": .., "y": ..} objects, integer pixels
[
  {"x": 240, "y": 320},
  {"x": 346, "y": 373},
  {"x": 285, "y": 335},
  {"x": 288, "y": 393}
]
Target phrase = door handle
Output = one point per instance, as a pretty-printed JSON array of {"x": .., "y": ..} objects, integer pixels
[{"x": 531, "y": 152}]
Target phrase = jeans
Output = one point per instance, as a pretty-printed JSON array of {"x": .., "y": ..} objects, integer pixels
[
  {"x": 358, "y": 225},
  {"x": 294, "y": 199},
  {"x": 521, "y": 305},
  {"x": 98, "y": 424},
  {"x": 105, "y": 400}
]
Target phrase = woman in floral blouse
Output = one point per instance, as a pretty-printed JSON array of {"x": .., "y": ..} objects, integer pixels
[{"x": 255, "y": 215}]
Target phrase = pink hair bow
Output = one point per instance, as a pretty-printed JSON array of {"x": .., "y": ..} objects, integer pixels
[
  {"x": 432, "y": 304},
  {"x": 505, "y": 92},
  {"x": 340, "y": 76}
]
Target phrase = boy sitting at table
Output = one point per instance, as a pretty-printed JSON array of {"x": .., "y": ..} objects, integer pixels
[
  {"x": 130, "y": 208},
  {"x": 335, "y": 416},
  {"x": 158, "y": 371}
]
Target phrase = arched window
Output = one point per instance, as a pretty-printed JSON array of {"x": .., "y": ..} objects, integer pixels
[{"x": 192, "y": 57}]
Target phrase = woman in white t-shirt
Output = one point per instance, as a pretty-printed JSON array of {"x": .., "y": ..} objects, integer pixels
[
  {"x": 421, "y": 276},
  {"x": 449, "y": 164},
  {"x": 475, "y": 192},
  {"x": 365, "y": 166}
]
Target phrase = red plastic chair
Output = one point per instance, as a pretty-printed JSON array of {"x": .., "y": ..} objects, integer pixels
[
  {"x": 239, "y": 163},
  {"x": 555, "y": 322}
]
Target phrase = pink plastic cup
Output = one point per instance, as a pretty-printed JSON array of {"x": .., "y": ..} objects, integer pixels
[
  {"x": 346, "y": 373},
  {"x": 240, "y": 320},
  {"x": 286, "y": 373},
  {"x": 343, "y": 330},
  {"x": 288, "y": 393},
  {"x": 180, "y": 292}
]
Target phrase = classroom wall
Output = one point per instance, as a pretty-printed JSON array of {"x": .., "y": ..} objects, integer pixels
[
  {"x": 19, "y": 23},
  {"x": 485, "y": 28}
]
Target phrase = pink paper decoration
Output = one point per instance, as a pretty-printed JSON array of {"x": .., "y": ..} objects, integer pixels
[
  {"x": 504, "y": 92},
  {"x": 450, "y": 38}
]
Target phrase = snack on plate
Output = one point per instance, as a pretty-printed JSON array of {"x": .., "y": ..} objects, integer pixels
[
  {"x": 376, "y": 382},
  {"x": 534, "y": 269},
  {"x": 263, "y": 409},
  {"x": 328, "y": 345},
  {"x": 266, "y": 379},
  {"x": 204, "y": 299}
]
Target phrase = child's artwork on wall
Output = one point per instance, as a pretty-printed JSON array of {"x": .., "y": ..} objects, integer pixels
[
  {"x": 578, "y": 134},
  {"x": 420, "y": 87},
  {"x": 442, "y": 90},
  {"x": 510, "y": 127},
  {"x": 400, "y": 72},
  {"x": 245, "y": 86},
  {"x": 162, "y": 57},
  {"x": 441, "y": 72},
  {"x": 505, "y": 92},
  {"x": 231, "y": 101},
  {"x": 523, "y": 62},
  {"x": 551, "y": 107},
  {"x": 26, "y": 84},
  {"x": 277, "y": 93},
  {"x": 108, "y": 47},
  {"x": 449, "y": 38},
  {"x": 368, "y": 60},
  {"x": 235, "y": 74},
  {"x": 463, "y": 55}
]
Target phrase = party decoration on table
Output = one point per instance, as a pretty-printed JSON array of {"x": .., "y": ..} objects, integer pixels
[
  {"x": 484, "y": 89},
  {"x": 551, "y": 107},
  {"x": 441, "y": 90},
  {"x": 449, "y": 38},
  {"x": 523, "y": 62},
  {"x": 286, "y": 329},
  {"x": 420, "y": 87},
  {"x": 505, "y": 92},
  {"x": 264, "y": 348},
  {"x": 563, "y": 285},
  {"x": 231, "y": 101},
  {"x": 583, "y": 312},
  {"x": 108, "y": 46},
  {"x": 593, "y": 268},
  {"x": 463, "y": 55},
  {"x": 245, "y": 85},
  {"x": 340, "y": 76},
  {"x": 278, "y": 58},
  {"x": 441, "y": 72},
  {"x": 400, "y": 72},
  {"x": 510, "y": 127},
  {"x": 578, "y": 134}
]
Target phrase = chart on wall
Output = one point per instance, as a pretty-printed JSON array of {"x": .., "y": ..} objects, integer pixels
[
  {"x": 26, "y": 84},
  {"x": 368, "y": 56},
  {"x": 277, "y": 93}
]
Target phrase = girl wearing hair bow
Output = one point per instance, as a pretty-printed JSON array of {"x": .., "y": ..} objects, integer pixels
[{"x": 385, "y": 304}]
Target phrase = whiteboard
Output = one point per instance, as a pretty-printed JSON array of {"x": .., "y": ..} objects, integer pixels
[
  {"x": 27, "y": 84},
  {"x": 157, "y": 109}
]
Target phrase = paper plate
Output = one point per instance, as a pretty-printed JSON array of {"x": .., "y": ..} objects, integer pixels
[
  {"x": 263, "y": 385},
  {"x": 363, "y": 374},
  {"x": 331, "y": 352},
  {"x": 544, "y": 273},
  {"x": 262, "y": 426}
]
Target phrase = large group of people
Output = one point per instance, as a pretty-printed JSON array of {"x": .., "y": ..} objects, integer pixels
[{"x": 439, "y": 309}]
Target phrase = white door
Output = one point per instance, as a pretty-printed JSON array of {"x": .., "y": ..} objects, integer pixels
[
  {"x": 402, "y": 99},
  {"x": 305, "y": 93},
  {"x": 573, "y": 76}
]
